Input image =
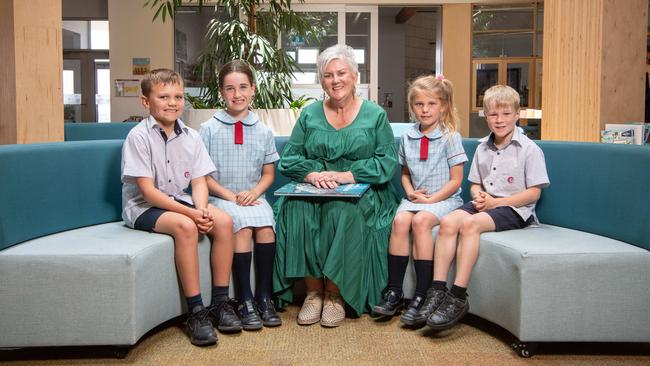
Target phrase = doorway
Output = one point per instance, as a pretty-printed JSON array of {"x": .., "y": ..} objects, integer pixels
[
  {"x": 410, "y": 45},
  {"x": 86, "y": 86}
]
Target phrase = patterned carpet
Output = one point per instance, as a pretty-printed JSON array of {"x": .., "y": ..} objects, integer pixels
[{"x": 361, "y": 341}]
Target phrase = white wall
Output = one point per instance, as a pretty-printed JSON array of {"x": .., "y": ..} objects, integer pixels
[{"x": 133, "y": 34}]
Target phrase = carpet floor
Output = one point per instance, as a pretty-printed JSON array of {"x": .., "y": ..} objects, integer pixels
[{"x": 360, "y": 341}]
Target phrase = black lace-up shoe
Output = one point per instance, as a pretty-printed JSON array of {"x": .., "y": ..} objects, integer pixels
[
  {"x": 419, "y": 312},
  {"x": 450, "y": 311},
  {"x": 223, "y": 316},
  {"x": 250, "y": 320},
  {"x": 266, "y": 309},
  {"x": 390, "y": 304},
  {"x": 410, "y": 316},
  {"x": 199, "y": 328},
  {"x": 432, "y": 302}
]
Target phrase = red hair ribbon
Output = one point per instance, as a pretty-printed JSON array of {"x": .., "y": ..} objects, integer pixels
[
  {"x": 239, "y": 133},
  {"x": 424, "y": 148},
  {"x": 440, "y": 77}
]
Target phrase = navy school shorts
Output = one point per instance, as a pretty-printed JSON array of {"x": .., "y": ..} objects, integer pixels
[
  {"x": 504, "y": 217},
  {"x": 147, "y": 220}
]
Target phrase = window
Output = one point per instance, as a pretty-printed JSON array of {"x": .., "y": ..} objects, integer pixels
[
  {"x": 355, "y": 26},
  {"x": 507, "y": 50},
  {"x": 85, "y": 34}
]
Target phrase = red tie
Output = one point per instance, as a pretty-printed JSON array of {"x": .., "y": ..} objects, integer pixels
[
  {"x": 239, "y": 133},
  {"x": 424, "y": 148}
]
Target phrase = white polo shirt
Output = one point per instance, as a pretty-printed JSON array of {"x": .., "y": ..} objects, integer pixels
[
  {"x": 171, "y": 162},
  {"x": 510, "y": 170}
]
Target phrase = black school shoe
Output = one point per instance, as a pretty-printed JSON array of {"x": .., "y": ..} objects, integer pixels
[
  {"x": 250, "y": 320},
  {"x": 410, "y": 316},
  {"x": 270, "y": 317},
  {"x": 417, "y": 314},
  {"x": 450, "y": 311},
  {"x": 390, "y": 304},
  {"x": 223, "y": 316},
  {"x": 199, "y": 328}
]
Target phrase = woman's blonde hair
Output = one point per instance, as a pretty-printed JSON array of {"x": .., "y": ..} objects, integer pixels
[{"x": 443, "y": 89}]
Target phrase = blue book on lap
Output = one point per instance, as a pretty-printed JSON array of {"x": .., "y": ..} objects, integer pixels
[{"x": 306, "y": 189}]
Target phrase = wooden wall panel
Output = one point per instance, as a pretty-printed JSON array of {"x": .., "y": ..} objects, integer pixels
[
  {"x": 7, "y": 75},
  {"x": 594, "y": 66},
  {"x": 33, "y": 51},
  {"x": 572, "y": 67},
  {"x": 623, "y": 67},
  {"x": 457, "y": 57}
]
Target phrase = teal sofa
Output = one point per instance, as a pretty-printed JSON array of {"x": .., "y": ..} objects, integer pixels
[
  {"x": 83, "y": 131},
  {"x": 72, "y": 273}
]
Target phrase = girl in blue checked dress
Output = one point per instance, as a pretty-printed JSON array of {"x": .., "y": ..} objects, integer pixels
[
  {"x": 432, "y": 156},
  {"x": 243, "y": 151}
]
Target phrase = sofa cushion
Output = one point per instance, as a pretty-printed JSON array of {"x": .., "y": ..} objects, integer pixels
[
  {"x": 550, "y": 283},
  {"x": 52, "y": 187},
  {"x": 598, "y": 188},
  {"x": 98, "y": 285}
]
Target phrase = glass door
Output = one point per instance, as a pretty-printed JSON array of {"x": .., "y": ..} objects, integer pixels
[
  {"x": 517, "y": 73},
  {"x": 86, "y": 86}
]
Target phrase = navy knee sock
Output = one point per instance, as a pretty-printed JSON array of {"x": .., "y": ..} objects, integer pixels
[
  {"x": 396, "y": 270},
  {"x": 264, "y": 257},
  {"x": 423, "y": 274},
  {"x": 241, "y": 270}
]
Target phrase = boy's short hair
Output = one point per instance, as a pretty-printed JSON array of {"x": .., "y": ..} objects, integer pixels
[
  {"x": 500, "y": 96},
  {"x": 159, "y": 76}
]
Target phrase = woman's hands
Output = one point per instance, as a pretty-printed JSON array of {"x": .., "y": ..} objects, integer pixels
[{"x": 329, "y": 179}]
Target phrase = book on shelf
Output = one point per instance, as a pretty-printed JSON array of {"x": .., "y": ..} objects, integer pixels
[
  {"x": 306, "y": 189},
  {"x": 636, "y": 132},
  {"x": 617, "y": 136}
]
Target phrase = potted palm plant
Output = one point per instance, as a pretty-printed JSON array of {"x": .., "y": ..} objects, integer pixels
[{"x": 250, "y": 34}]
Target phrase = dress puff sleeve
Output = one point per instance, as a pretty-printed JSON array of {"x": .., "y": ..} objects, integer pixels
[
  {"x": 380, "y": 167},
  {"x": 294, "y": 163}
]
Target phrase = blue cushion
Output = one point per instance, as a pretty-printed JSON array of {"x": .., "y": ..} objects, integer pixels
[
  {"x": 598, "y": 188},
  {"x": 58, "y": 186}
]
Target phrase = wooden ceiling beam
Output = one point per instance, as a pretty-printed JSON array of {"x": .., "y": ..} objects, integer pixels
[{"x": 404, "y": 15}]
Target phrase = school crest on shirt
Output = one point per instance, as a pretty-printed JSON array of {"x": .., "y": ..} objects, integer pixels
[
  {"x": 510, "y": 179},
  {"x": 186, "y": 174}
]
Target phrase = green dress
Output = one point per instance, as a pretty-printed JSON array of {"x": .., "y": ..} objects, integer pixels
[{"x": 342, "y": 239}]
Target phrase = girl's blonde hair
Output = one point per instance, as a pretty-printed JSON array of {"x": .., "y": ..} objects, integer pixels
[{"x": 442, "y": 89}]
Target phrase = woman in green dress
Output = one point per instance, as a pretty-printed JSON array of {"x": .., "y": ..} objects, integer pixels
[{"x": 338, "y": 245}]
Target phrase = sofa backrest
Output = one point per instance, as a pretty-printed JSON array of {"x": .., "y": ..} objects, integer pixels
[
  {"x": 52, "y": 187},
  {"x": 82, "y": 131},
  {"x": 599, "y": 188}
]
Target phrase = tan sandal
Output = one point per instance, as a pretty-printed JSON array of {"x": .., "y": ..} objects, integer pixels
[
  {"x": 333, "y": 310},
  {"x": 311, "y": 308}
]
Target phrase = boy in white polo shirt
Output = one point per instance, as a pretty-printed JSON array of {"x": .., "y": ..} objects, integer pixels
[
  {"x": 161, "y": 157},
  {"x": 507, "y": 174}
]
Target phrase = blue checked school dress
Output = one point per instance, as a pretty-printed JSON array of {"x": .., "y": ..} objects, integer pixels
[
  {"x": 444, "y": 152},
  {"x": 239, "y": 166}
]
